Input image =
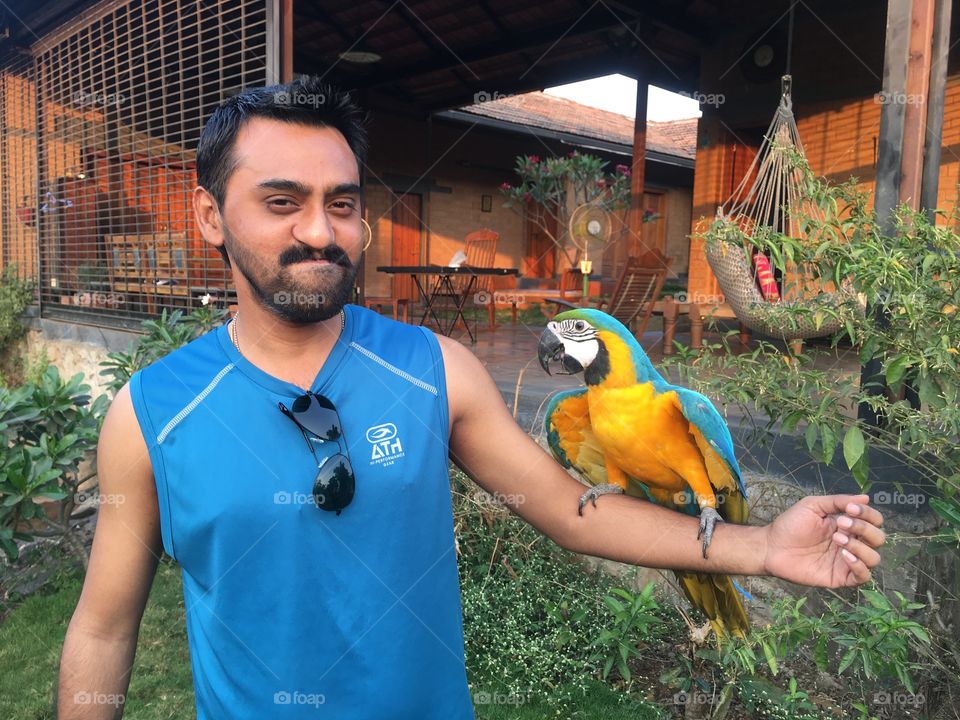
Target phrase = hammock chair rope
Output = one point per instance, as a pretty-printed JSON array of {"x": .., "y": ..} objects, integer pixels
[{"x": 773, "y": 200}]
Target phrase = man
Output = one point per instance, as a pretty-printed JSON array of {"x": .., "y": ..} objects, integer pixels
[{"x": 322, "y": 579}]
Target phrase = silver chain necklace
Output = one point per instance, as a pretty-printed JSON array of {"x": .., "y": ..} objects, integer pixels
[{"x": 233, "y": 327}]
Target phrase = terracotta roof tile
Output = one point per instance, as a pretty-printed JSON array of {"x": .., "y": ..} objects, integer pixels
[{"x": 536, "y": 109}]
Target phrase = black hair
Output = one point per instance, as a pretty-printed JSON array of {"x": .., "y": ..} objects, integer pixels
[{"x": 306, "y": 101}]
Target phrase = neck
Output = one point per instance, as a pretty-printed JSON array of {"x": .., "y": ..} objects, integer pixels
[
  {"x": 293, "y": 352},
  {"x": 617, "y": 366}
]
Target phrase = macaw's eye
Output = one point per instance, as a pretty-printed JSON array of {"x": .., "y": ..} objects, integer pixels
[{"x": 579, "y": 326}]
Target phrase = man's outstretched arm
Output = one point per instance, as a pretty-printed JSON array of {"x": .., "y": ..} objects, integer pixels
[
  {"x": 828, "y": 541},
  {"x": 101, "y": 640}
]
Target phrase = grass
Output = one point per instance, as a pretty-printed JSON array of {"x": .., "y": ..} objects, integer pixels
[
  {"x": 599, "y": 702},
  {"x": 161, "y": 688},
  {"x": 31, "y": 640}
]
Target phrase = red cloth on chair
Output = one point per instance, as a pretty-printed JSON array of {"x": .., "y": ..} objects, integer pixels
[{"x": 765, "y": 278}]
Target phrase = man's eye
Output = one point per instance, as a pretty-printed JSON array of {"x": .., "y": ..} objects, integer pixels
[
  {"x": 280, "y": 203},
  {"x": 343, "y": 205}
]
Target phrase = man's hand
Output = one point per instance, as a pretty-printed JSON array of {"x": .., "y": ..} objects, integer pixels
[{"x": 825, "y": 541}]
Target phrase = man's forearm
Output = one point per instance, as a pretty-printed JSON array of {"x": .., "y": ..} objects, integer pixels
[
  {"x": 94, "y": 675},
  {"x": 638, "y": 532}
]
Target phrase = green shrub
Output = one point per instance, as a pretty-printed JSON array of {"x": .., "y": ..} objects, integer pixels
[
  {"x": 162, "y": 336},
  {"x": 47, "y": 428}
]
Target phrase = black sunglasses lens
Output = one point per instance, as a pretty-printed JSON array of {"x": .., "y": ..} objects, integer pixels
[
  {"x": 318, "y": 415},
  {"x": 335, "y": 484}
]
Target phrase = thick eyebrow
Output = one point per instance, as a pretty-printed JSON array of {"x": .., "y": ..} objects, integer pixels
[
  {"x": 345, "y": 189},
  {"x": 293, "y": 186},
  {"x": 298, "y": 188}
]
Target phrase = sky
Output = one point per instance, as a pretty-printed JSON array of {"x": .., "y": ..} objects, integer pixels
[{"x": 618, "y": 93}]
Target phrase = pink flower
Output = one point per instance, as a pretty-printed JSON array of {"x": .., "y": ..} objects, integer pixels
[
  {"x": 534, "y": 158},
  {"x": 601, "y": 183},
  {"x": 527, "y": 197},
  {"x": 572, "y": 154},
  {"x": 623, "y": 170},
  {"x": 505, "y": 186}
]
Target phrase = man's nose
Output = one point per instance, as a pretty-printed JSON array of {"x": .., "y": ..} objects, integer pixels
[{"x": 313, "y": 228}]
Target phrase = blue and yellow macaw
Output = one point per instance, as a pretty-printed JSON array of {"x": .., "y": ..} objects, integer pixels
[{"x": 630, "y": 431}]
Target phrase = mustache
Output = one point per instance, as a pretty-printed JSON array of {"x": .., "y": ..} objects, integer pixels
[{"x": 331, "y": 253}]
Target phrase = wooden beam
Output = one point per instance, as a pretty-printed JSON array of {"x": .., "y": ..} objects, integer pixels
[
  {"x": 889, "y": 157},
  {"x": 595, "y": 20},
  {"x": 286, "y": 41},
  {"x": 914, "y": 100},
  {"x": 637, "y": 165},
  {"x": 933, "y": 140}
]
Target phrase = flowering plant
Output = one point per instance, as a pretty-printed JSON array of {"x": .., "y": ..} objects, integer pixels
[{"x": 550, "y": 188}]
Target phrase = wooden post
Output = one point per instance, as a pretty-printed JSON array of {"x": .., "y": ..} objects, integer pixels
[
  {"x": 889, "y": 159},
  {"x": 939, "y": 51},
  {"x": 914, "y": 100},
  {"x": 635, "y": 243},
  {"x": 286, "y": 41}
]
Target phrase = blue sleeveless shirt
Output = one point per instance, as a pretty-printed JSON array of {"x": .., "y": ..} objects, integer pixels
[{"x": 292, "y": 611}]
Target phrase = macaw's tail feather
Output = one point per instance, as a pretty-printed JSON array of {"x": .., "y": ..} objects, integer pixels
[{"x": 718, "y": 598}]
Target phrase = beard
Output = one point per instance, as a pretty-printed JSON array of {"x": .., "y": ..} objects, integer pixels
[{"x": 312, "y": 296}]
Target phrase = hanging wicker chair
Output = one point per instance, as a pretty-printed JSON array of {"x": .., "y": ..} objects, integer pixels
[{"x": 773, "y": 200}]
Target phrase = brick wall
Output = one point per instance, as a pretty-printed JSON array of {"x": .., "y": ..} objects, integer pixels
[
  {"x": 456, "y": 164},
  {"x": 840, "y": 140}
]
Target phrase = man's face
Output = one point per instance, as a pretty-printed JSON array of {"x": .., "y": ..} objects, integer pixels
[{"x": 291, "y": 218}]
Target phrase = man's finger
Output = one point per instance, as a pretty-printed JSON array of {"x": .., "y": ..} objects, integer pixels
[
  {"x": 863, "y": 552},
  {"x": 859, "y": 572},
  {"x": 865, "y": 531},
  {"x": 831, "y": 504},
  {"x": 864, "y": 511}
]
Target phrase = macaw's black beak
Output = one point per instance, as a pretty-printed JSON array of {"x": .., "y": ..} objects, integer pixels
[{"x": 551, "y": 349}]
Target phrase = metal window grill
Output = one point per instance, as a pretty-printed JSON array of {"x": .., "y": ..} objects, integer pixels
[
  {"x": 18, "y": 166},
  {"x": 121, "y": 95}
]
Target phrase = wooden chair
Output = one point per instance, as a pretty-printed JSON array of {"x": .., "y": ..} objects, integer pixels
[
  {"x": 635, "y": 294},
  {"x": 149, "y": 264},
  {"x": 399, "y": 306},
  {"x": 480, "y": 247}
]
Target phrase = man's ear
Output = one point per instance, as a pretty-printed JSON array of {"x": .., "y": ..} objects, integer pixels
[{"x": 207, "y": 213}]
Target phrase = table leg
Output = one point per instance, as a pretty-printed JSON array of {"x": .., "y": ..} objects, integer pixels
[
  {"x": 696, "y": 326},
  {"x": 428, "y": 300},
  {"x": 670, "y": 311},
  {"x": 461, "y": 300}
]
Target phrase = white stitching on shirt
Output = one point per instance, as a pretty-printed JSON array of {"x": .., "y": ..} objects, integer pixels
[
  {"x": 193, "y": 403},
  {"x": 397, "y": 371}
]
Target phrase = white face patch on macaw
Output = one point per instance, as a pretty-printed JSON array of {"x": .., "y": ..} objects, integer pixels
[{"x": 580, "y": 339}]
